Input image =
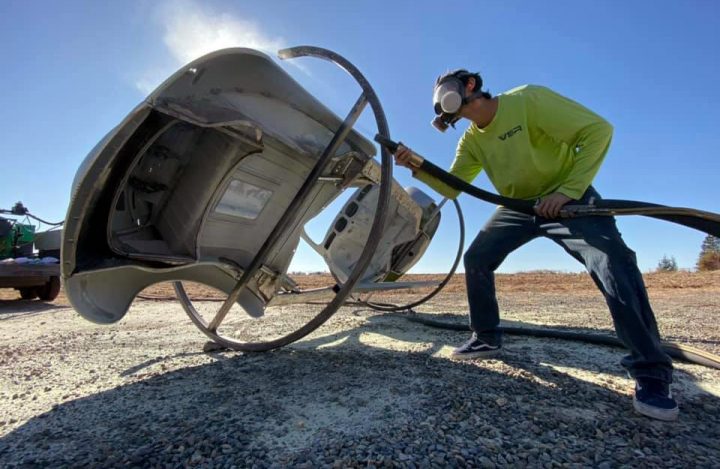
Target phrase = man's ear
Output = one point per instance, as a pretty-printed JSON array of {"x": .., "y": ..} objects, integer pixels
[{"x": 470, "y": 86}]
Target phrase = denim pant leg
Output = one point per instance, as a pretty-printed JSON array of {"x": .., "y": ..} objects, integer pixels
[
  {"x": 506, "y": 231},
  {"x": 597, "y": 243}
]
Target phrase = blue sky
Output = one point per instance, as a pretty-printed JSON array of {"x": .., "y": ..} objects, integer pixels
[{"x": 73, "y": 70}]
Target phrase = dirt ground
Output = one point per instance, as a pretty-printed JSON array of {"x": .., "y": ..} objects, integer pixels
[{"x": 365, "y": 389}]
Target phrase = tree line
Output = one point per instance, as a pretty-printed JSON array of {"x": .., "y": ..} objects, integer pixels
[{"x": 709, "y": 258}]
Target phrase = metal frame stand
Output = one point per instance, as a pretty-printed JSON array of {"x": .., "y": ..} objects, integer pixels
[{"x": 368, "y": 96}]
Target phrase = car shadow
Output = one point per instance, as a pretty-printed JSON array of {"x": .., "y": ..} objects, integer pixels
[
  {"x": 342, "y": 399},
  {"x": 19, "y": 308}
]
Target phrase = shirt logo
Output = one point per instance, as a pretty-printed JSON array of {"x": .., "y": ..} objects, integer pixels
[{"x": 510, "y": 132}]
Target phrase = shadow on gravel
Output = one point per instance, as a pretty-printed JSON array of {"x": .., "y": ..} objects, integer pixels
[
  {"x": 153, "y": 361},
  {"x": 13, "y": 309},
  {"x": 519, "y": 351},
  {"x": 359, "y": 406}
]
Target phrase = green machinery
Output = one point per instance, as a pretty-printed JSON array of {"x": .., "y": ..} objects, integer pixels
[{"x": 21, "y": 256}]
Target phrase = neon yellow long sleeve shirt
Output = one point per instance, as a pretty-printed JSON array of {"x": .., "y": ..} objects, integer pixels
[{"x": 539, "y": 142}]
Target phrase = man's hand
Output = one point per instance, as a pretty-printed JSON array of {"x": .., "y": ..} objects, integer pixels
[
  {"x": 550, "y": 205},
  {"x": 402, "y": 156}
]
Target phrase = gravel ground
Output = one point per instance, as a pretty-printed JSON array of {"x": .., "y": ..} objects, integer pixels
[{"x": 366, "y": 389}]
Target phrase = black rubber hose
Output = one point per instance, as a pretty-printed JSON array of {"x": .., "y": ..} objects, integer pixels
[
  {"x": 706, "y": 222},
  {"x": 675, "y": 350},
  {"x": 34, "y": 217},
  {"x": 58, "y": 223}
]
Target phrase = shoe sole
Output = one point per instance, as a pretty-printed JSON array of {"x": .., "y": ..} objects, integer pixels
[
  {"x": 471, "y": 355},
  {"x": 667, "y": 415}
]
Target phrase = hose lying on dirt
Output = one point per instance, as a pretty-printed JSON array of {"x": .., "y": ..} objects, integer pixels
[{"x": 675, "y": 350}]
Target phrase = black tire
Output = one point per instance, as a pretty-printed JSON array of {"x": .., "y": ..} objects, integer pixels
[
  {"x": 50, "y": 290},
  {"x": 28, "y": 293}
]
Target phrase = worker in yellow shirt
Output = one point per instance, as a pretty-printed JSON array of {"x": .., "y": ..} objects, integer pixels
[{"x": 535, "y": 144}]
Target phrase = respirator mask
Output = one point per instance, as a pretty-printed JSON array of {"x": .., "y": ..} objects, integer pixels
[{"x": 449, "y": 97}]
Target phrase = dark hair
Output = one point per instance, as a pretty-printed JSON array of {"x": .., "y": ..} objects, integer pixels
[{"x": 464, "y": 76}]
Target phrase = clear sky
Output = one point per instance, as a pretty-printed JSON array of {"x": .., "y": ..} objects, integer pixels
[{"x": 72, "y": 70}]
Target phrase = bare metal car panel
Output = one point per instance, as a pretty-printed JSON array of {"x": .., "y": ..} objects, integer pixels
[{"x": 191, "y": 183}]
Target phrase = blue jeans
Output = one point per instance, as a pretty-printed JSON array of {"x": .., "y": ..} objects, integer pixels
[{"x": 598, "y": 245}]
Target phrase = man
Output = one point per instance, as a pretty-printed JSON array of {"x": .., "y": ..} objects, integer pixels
[{"x": 537, "y": 145}]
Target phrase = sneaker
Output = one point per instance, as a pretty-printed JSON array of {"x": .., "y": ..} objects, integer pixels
[
  {"x": 477, "y": 348},
  {"x": 654, "y": 399}
]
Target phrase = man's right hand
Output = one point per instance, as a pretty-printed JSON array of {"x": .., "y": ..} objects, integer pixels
[{"x": 403, "y": 155}]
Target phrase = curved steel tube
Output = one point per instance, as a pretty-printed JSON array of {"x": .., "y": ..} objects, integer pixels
[{"x": 373, "y": 237}]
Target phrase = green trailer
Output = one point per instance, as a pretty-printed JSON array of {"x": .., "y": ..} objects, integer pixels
[
  {"x": 32, "y": 280},
  {"x": 27, "y": 274}
]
